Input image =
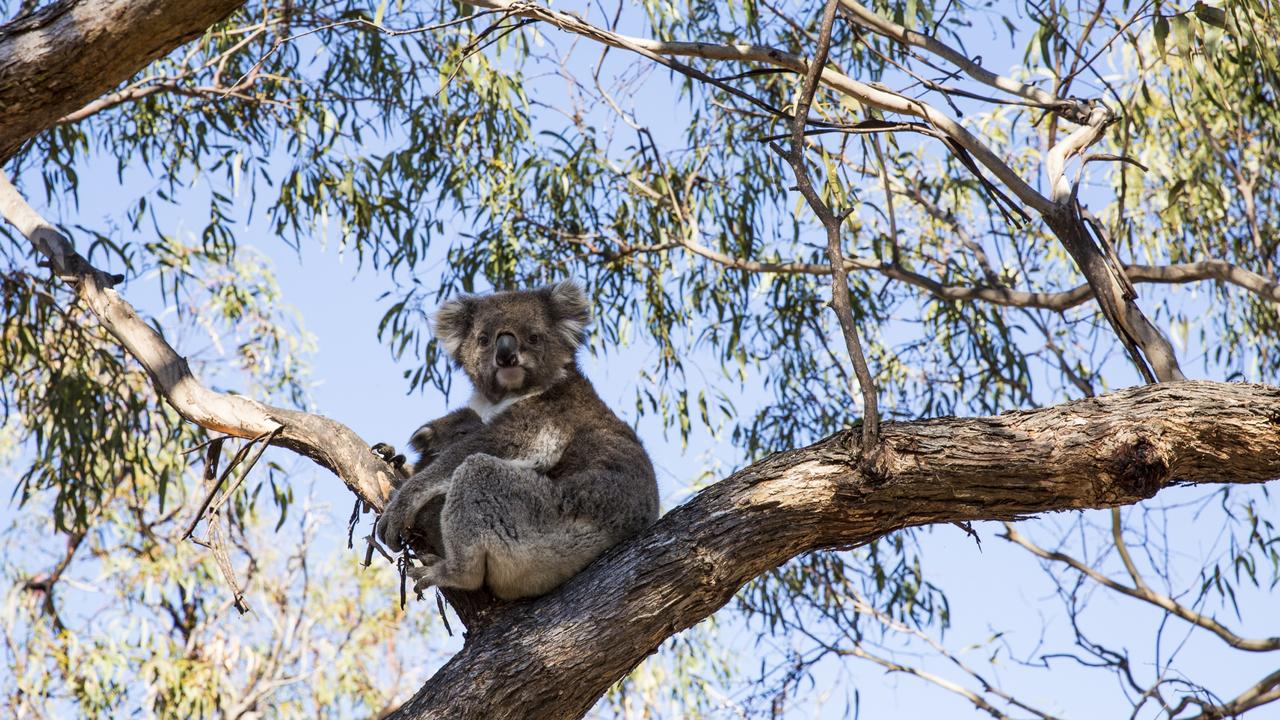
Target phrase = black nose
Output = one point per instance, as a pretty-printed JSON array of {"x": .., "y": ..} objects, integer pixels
[{"x": 506, "y": 351}]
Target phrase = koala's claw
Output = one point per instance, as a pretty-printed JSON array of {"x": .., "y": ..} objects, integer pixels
[{"x": 388, "y": 454}]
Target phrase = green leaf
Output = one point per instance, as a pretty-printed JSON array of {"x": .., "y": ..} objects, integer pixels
[
  {"x": 1183, "y": 34},
  {"x": 1216, "y": 17}
]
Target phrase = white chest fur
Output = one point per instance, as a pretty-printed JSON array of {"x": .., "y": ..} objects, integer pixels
[{"x": 490, "y": 410}]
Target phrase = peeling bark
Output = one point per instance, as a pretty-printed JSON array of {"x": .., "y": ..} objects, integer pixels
[{"x": 68, "y": 53}]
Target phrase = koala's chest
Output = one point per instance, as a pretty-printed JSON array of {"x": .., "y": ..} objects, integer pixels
[{"x": 537, "y": 440}]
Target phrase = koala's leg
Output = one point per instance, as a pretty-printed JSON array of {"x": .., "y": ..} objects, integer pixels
[
  {"x": 411, "y": 498},
  {"x": 506, "y": 523}
]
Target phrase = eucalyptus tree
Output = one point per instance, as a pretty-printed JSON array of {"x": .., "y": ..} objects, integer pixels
[{"x": 877, "y": 212}]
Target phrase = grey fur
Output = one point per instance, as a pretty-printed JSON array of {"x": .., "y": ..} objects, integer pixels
[
  {"x": 550, "y": 480},
  {"x": 433, "y": 437},
  {"x": 428, "y": 441}
]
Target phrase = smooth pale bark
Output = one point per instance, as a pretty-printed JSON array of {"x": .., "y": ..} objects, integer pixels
[
  {"x": 555, "y": 656},
  {"x": 64, "y": 55}
]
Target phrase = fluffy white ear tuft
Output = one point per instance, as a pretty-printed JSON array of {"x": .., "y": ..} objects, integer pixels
[
  {"x": 571, "y": 310},
  {"x": 452, "y": 321}
]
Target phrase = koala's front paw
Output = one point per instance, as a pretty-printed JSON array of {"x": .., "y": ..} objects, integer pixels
[
  {"x": 395, "y": 520},
  {"x": 398, "y": 517},
  {"x": 388, "y": 454}
]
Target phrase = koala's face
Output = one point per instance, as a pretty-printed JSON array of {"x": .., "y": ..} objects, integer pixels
[{"x": 513, "y": 342}]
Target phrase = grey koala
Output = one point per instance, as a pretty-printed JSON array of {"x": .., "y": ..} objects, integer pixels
[
  {"x": 550, "y": 479},
  {"x": 428, "y": 441}
]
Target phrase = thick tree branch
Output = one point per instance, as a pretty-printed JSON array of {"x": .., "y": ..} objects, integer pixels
[
  {"x": 58, "y": 58},
  {"x": 554, "y": 656}
]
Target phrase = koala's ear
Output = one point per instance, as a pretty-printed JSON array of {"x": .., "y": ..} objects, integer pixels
[
  {"x": 452, "y": 321},
  {"x": 571, "y": 311}
]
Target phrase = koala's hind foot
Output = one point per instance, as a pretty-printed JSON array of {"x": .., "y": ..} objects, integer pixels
[
  {"x": 388, "y": 454},
  {"x": 422, "y": 575}
]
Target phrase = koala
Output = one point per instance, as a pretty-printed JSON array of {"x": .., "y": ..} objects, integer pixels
[
  {"x": 428, "y": 441},
  {"x": 550, "y": 478}
]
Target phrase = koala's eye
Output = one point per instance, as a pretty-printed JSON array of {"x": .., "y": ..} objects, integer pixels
[
  {"x": 483, "y": 340},
  {"x": 535, "y": 338}
]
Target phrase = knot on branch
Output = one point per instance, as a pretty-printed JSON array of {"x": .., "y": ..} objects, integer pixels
[
  {"x": 875, "y": 466},
  {"x": 1139, "y": 468}
]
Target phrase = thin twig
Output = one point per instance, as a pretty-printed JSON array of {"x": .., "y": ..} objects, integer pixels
[
  {"x": 266, "y": 441},
  {"x": 211, "y": 464},
  {"x": 1145, "y": 594},
  {"x": 362, "y": 22}
]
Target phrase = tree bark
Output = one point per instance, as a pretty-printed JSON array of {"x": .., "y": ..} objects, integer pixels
[
  {"x": 554, "y": 657},
  {"x": 68, "y": 53}
]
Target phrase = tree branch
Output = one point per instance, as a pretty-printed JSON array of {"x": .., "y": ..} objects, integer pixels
[
  {"x": 554, "y": 656},
  {"x": 58, "y": 58},
  {"x": 861, "y": 15},
  {"x": 1264, "y": 691},
  {"x": 1175, "y": 274},
  {"x": 1140, "y": 591},
  {"x": 329, "y": 443},
  {"x": 874, "y": 96},
  {"x": 831, "y": 222}
]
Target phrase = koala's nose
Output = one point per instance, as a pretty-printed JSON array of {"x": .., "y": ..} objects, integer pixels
[{"x": 506, "y": 352}]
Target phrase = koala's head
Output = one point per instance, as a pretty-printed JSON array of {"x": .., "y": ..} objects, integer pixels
[
  {"x": 430, "y": 439},
  {"x": 514, "y": 342}
]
